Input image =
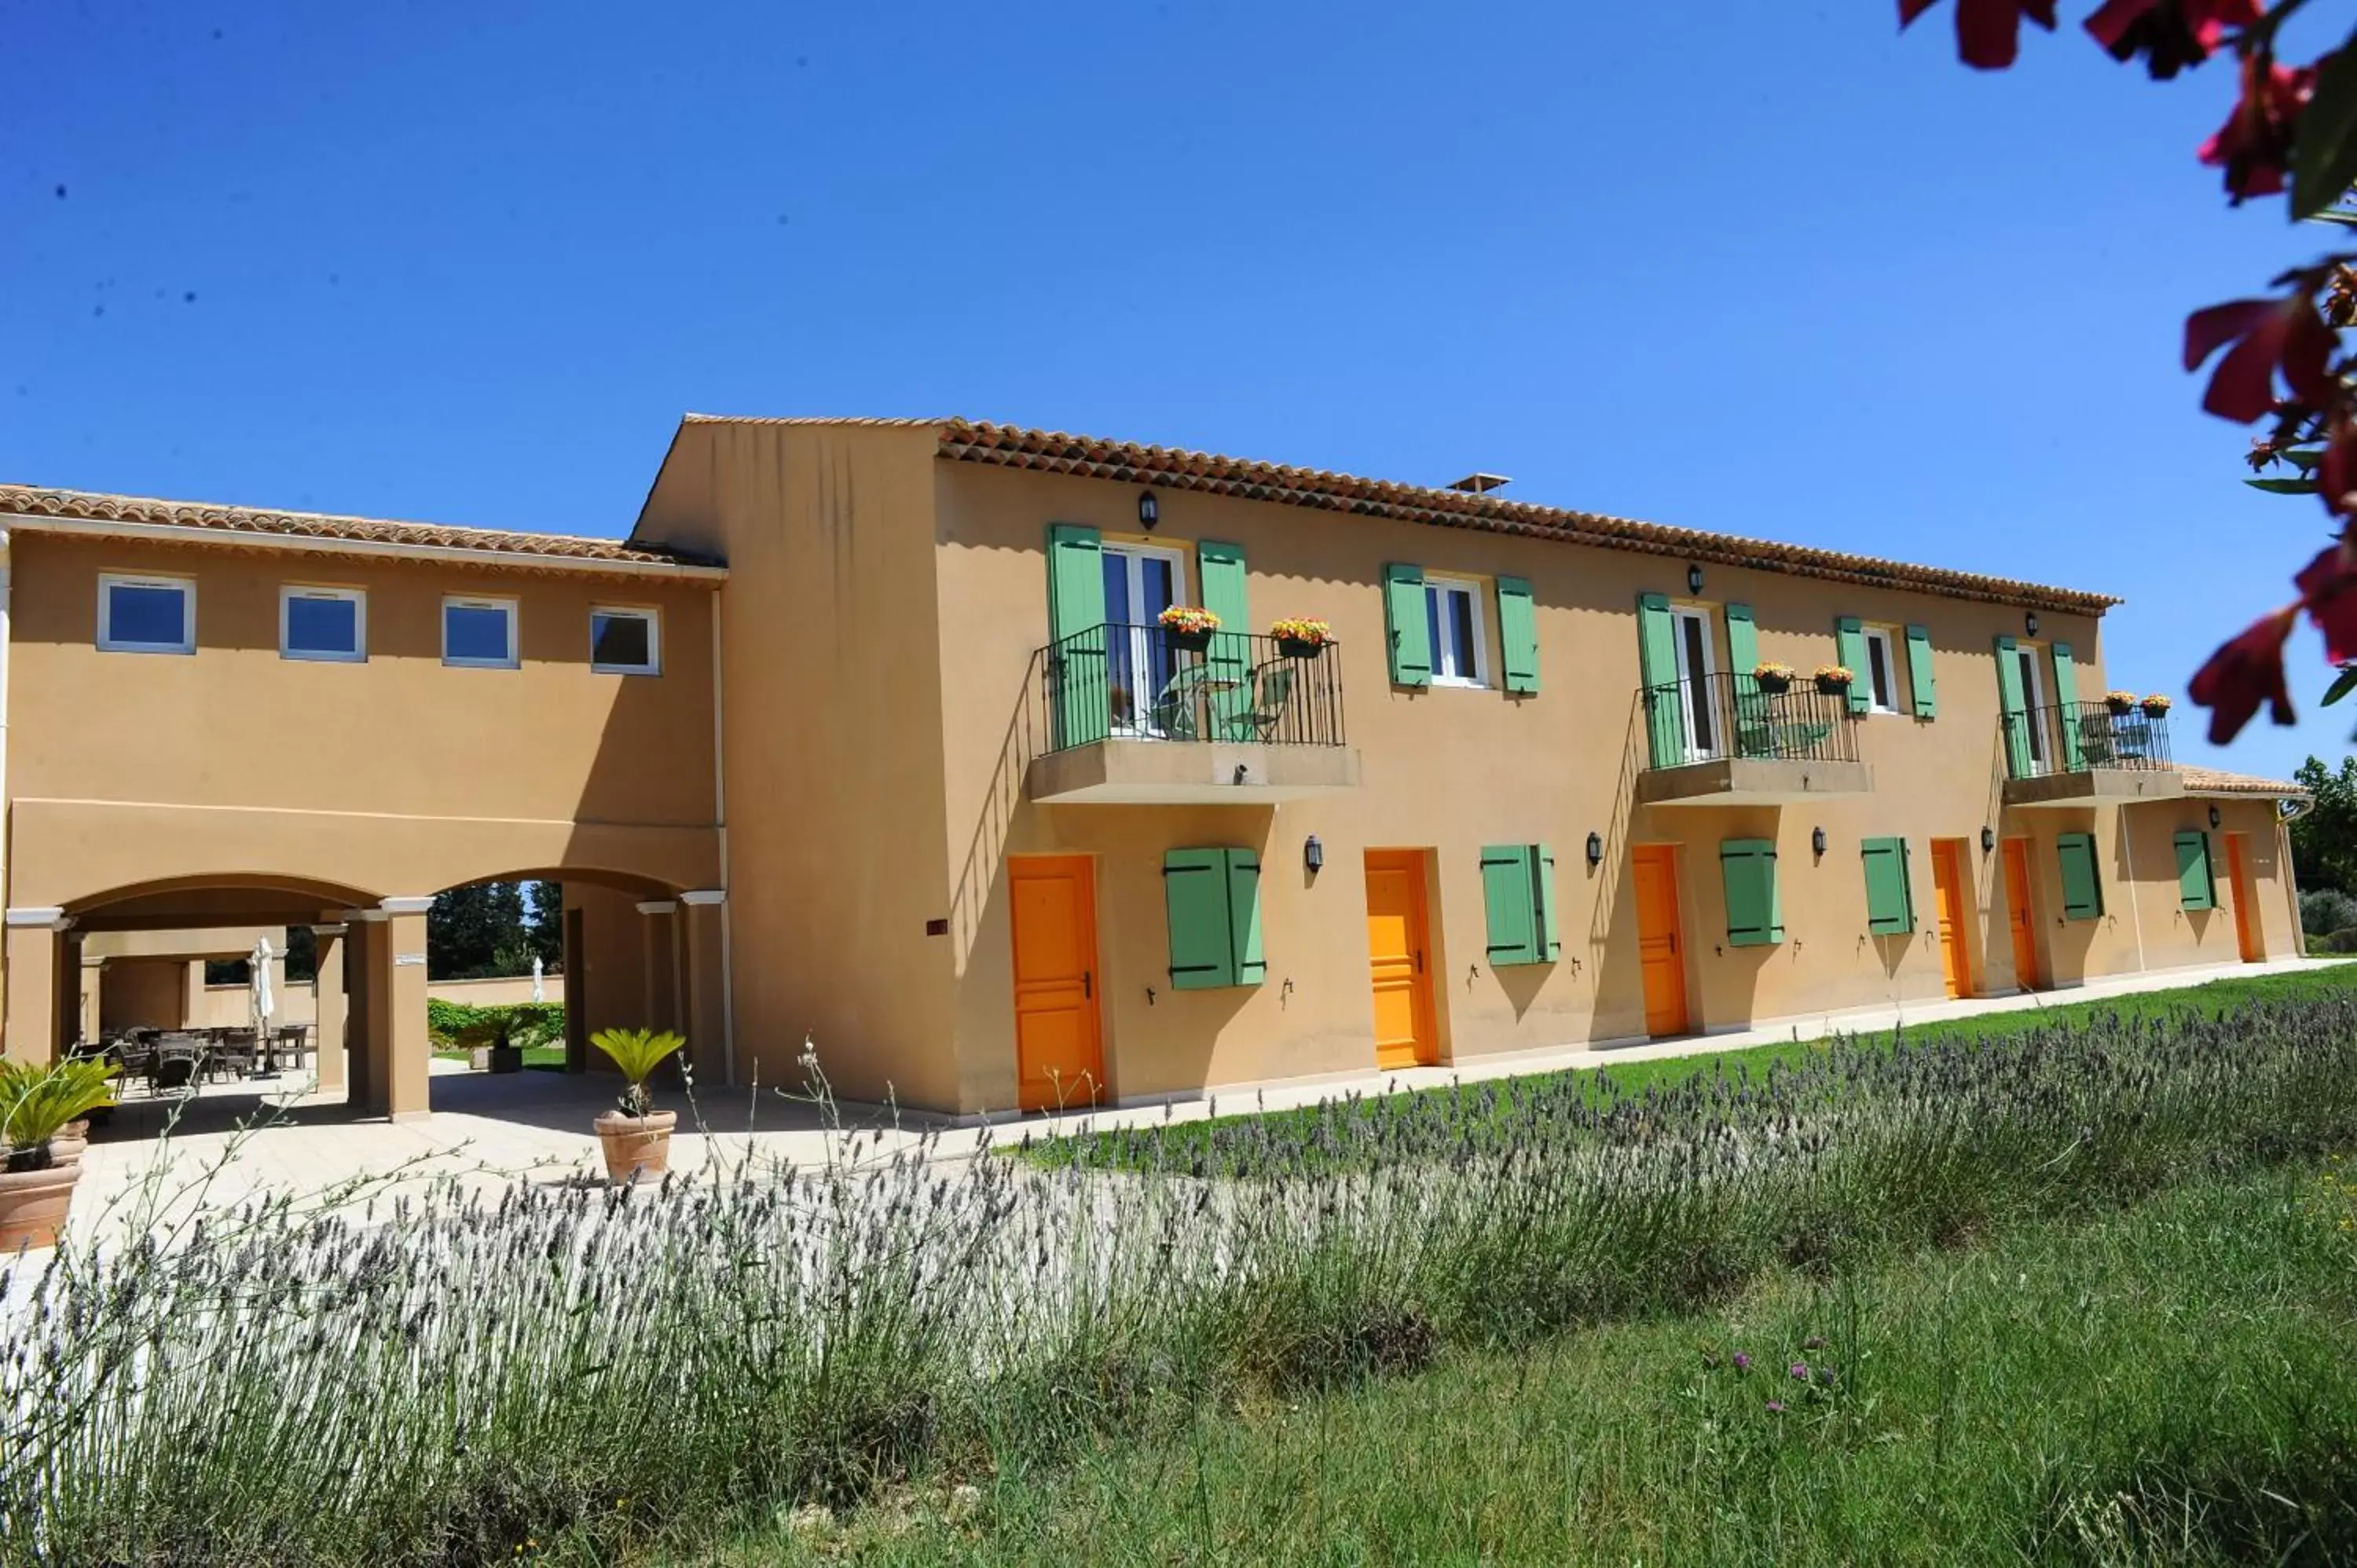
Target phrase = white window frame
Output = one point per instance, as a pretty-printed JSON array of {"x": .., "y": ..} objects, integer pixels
[
  {"x": 109, "y": 581},
  {"x": 647, "y": 613},
  {"x": 1471, "y": 588},
  {"x": 2035, "y": 747},
  {"x": 357, "y": 597},
  {"x": 1880, "y": 637},
  {"x": 1142, "y": 632},
  {"x": 1695, "y": 685},
  {"x": 479, "y": 602}
]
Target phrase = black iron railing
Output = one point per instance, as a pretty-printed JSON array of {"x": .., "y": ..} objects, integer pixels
[
  {"x": 1142, "y": 682},
  {"x": 1713, "y": 718},
  {"x": 2074, "y": 737}
]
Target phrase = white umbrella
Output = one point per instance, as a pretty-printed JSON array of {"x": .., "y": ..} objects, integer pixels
[
  {"x": 264, "y": 1004},
  {"x": 539, "y": 987}
]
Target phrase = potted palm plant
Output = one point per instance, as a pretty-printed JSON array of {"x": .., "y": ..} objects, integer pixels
[
  {"x": 636, "y": 1136},
  {"x": 1188, "y": 626},
  {"x": 37, "y": 1105},
  {"x": 1297, "y": 636}
]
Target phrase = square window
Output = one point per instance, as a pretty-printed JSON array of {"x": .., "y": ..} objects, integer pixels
[
  {"x": 479, "y": 632},
  {"x": 1881, "y": 673},
  {"x": 1452, "y": 612},
  {"x": 624, "y": 642},
  {"x": 329, "y": 623},
  {"x": 146, "y": 615}
]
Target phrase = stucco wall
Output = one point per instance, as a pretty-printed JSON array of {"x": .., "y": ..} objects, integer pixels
[
  {"x": 1452, "y": 770},
  {"x": 833, "y": 740},
  {"x": 396, "y": 776}
]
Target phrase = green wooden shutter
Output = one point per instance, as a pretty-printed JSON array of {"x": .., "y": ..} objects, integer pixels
[
  {"x": 1849, "y": 649},
  {"x": 1195, "y": 891},
  {"x": 1753, "y": 731},
  {"x": 1889, "y": 895},
  {"x": 1506, "y": 897},
  {"x": 2066, "y": 707},
  {"x": 1403, "y": 618},
  {"x": 1076, "y": 612},
  {"x": 1518, "y": 634},
  {"x": 2082, "y": 890},
  {"x": 1243, "y": 915},
  {"x": 2012, "y": 715},
  {"x": 2195, "y": 887},
  {"x": 1549, "y": 924},
  {"x": 1657, "y": 663},
  {"x": 1222, "y": 567},
  {"x": 1755, "y": 913},
  {"x": 1920, "y": 684}
]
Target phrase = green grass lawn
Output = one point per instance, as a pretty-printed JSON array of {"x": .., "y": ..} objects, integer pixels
[
  {"x": 1180, "y": 1143},
  {"x": 2168, "y": 1384}
]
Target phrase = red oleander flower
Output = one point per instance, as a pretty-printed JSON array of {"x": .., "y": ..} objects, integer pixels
[
  {"x": 2169, "y": 34},
  {"x": 2244, "y": 673},
  {"x": 2253, "y": 147},
  {"x": 1988, "y": 31},
  {"x": 2268, "y": 335},
  {"x": 2336, "y": 475},
  {"x": 2328, "y": 586}
]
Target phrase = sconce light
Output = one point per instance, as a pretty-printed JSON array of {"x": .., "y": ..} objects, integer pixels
[
  {"x": 1149, "y": 511},
  {"x": 1595, "y": 850},
  {"x": 2214, "y": 818},
  {"x": 1988, "y": 839},
  {"x": 1693, "y": 579},
  {"x": 2030, "y": 623},
  {"x": 1313, "y": 855},
  {"x": 1817, "y": 841}
]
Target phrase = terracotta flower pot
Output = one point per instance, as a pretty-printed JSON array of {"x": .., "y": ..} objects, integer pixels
[
  {"x": 67, "y": 1141},
  {"x": 636, "y": 1147},
  {"x": 33, "y": 1206}
]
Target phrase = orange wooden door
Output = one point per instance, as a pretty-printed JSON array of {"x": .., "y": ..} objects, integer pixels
[
  {"x": 1397, "y": 943},
  {"x": 1948, "y": 890},
  {"x": 1058, "y": 1053},
  {"x": 2018, "y": 916},
  {"x": 2247, "y": 934},
  {"x": 1658, "y": 946}
]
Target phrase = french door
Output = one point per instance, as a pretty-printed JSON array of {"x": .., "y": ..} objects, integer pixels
[
  {"x": 1699, "y": 725},
  {"x": 1140, "y": 582},
  {"x": 2039, "y": 745}
]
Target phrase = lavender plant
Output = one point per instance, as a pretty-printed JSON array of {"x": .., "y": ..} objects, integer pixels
[{"x": 443, "y": 1380}]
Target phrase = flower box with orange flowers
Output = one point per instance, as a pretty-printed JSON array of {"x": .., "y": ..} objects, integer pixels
[
  {"x": 1189, "y": 627},
  {"x": 1300, "y": 637}
]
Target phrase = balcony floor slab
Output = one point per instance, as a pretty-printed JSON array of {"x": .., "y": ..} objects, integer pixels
[
  {"x": 1750, "y": 781},
  {"x": 1177, "y": 773},
  {"x": 2095, "y": 786}
]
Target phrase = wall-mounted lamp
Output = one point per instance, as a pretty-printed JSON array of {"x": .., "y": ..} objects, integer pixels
[
  {"x": 1595, "y": 850},
  {"x": 1149, "y": 511},
  {"x": 1693, "y": 579},
  {"x": 2214, "y": 818},
  {"x": 1313, "y": 855},
  {"x": 1988, "y": 839},
  {"x": 1817, "y": 841},
  {"x": 2030, "y": 623}
]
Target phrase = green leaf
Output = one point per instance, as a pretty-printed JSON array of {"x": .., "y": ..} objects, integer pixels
[
  {"x": 2305, "y": 458},
  {"x": 2342, "y": 686},
  {"x": 2341, "y": 215},
  {"x": 2324, "y": 159},
  {"x": 2301, "y": 486}
]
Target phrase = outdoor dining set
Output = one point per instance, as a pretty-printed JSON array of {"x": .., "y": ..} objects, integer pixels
[{"x": 169, "y": 1059}]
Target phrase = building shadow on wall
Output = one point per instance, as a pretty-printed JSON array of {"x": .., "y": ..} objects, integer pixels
[
  {"x": 1025, "y": 739},
  {"x": 1617, "y": 991}
]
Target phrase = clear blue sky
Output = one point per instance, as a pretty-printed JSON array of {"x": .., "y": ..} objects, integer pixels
[{"x": 1767, "y": 269}]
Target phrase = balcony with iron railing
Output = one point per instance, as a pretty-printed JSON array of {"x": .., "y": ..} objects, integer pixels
[
  {"x": 1142, "y": 713},
  {"x": 2081, "y": 754},
  {"x": 1728, "y": 739}
]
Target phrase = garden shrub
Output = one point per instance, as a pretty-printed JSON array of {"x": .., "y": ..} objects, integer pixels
[
  {"x": 530, "y": 1023},
  {"x": 2325, "y": 910}
]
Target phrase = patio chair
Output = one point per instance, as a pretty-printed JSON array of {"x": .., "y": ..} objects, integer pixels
[
  {"x": 1271, "y": 700},
  {"x": 178, "y": 1058},
  {"x": 1173, "y": 715}
]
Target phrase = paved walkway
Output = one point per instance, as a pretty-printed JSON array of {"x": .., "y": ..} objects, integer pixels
[{"x": 488, "y": 1131}]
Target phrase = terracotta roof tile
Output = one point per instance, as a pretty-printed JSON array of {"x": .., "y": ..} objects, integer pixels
[
  {"x": 2215, "y": 782},
  {"x": 1053, "y": 451},
  {"x": 215, "y": 518}
]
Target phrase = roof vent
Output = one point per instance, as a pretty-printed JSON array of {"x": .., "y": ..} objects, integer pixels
[{"x": 1481, "y": 484}]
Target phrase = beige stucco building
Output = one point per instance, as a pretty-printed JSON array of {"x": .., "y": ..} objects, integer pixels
[{"x": 871, "y": 733}]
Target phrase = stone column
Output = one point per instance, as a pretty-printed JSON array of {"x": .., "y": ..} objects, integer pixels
[
  {"x": 399, "y": 1054},
  {"x": 30, "y": 1031},
  {"x": 329, "y": 990},
  {"x": 362, "y": 930},
  {"x": 707, "y": 1031},
  {"x": 94, "y": 982}
]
